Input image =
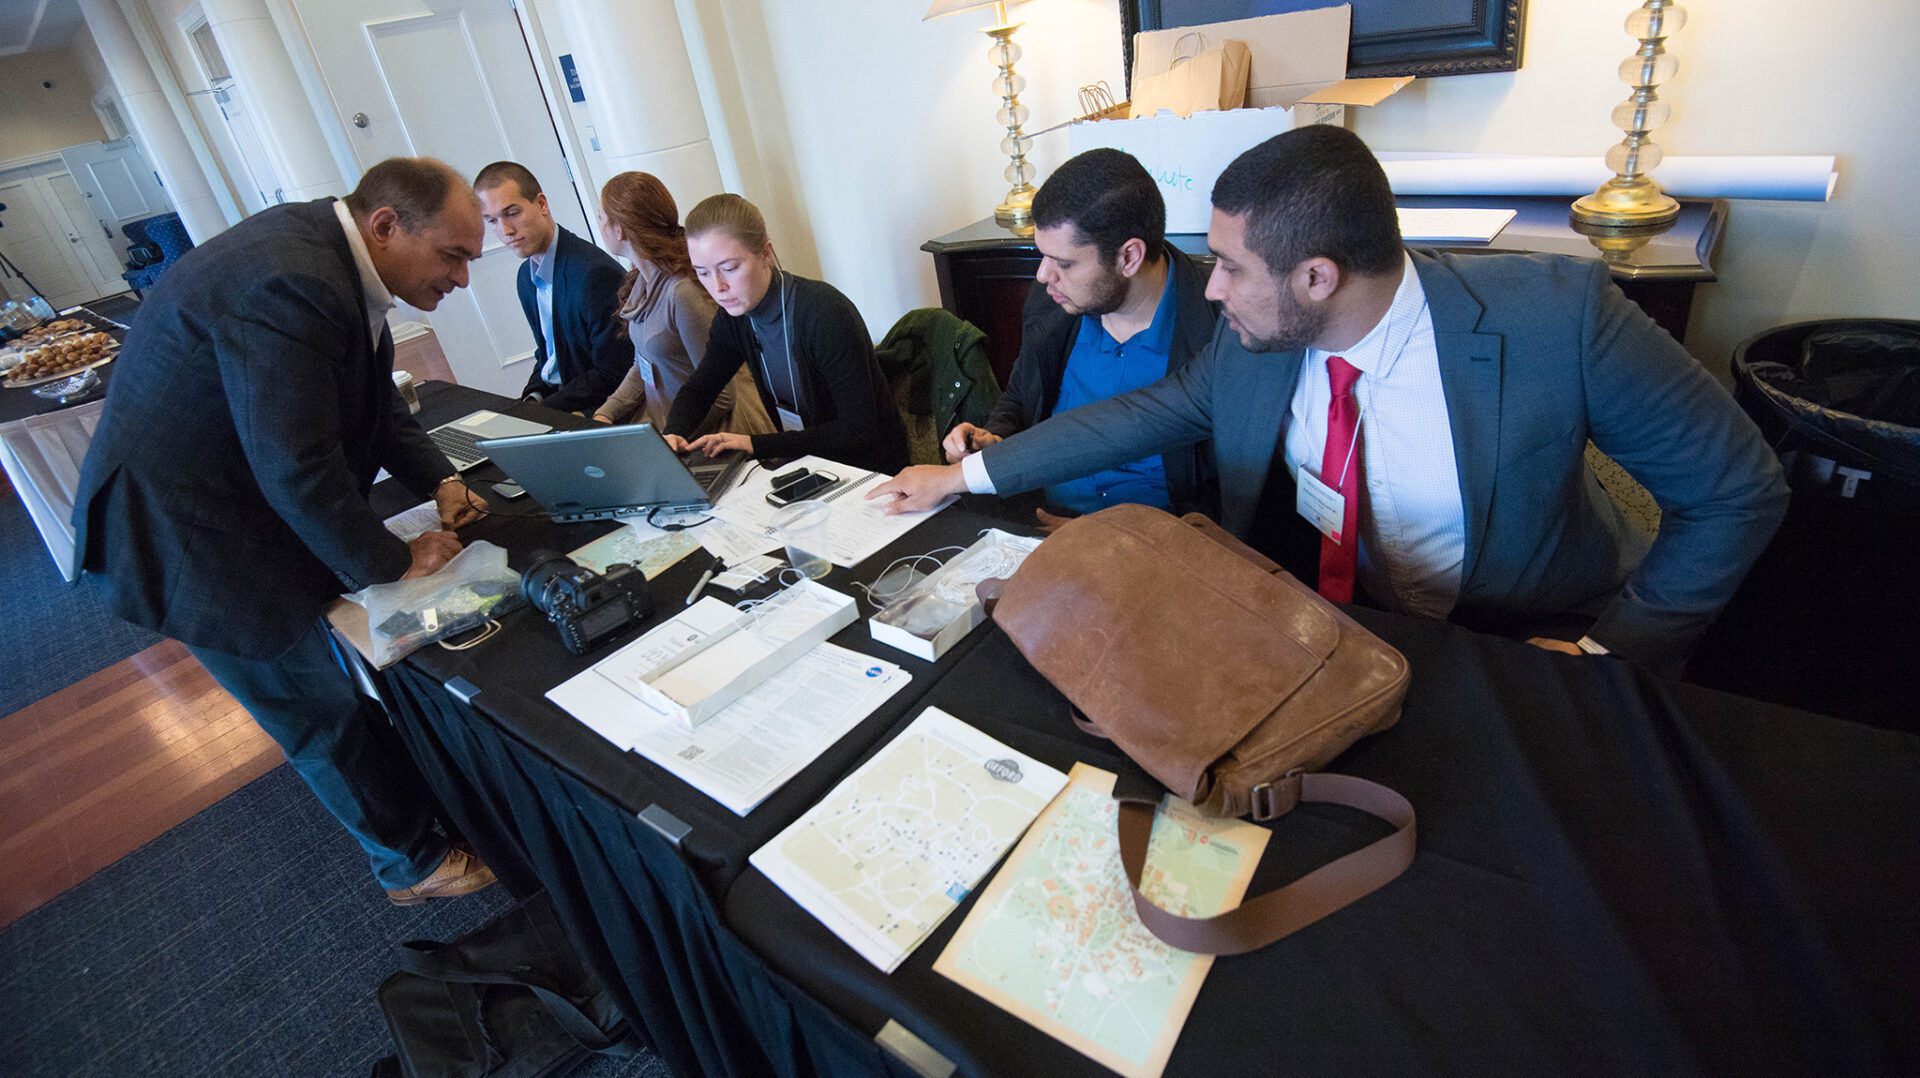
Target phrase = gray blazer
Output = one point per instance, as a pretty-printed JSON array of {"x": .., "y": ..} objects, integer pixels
[{"x": 1538, "y": 354}]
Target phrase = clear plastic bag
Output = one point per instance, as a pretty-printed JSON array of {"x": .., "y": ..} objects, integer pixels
[
  {"x": 943, "y": 604},
  {"x": 466, "y": 593}
]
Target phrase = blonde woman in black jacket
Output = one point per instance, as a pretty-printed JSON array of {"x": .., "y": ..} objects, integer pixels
[{"x": 805, "y": 344}]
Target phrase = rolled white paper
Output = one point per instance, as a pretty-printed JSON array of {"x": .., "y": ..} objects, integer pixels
[{"x": 1795, "y": 178}]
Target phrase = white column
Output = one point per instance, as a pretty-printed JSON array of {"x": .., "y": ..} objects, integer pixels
[
  {"x": 639, "y": 83},
  {"x": 153, "y": 121},
  {"x": 264, "y": 74}
]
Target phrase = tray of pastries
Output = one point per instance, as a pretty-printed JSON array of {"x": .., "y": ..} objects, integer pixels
[
  {"x": 59, "y": 358},
  {"x": 48, "y": 331}
]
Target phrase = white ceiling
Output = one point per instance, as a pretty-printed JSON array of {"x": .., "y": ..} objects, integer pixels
[{"x": 31, "y": 25}]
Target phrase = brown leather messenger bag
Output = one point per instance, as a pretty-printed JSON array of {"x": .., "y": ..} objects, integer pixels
[{"x": 1224, "y": 678}]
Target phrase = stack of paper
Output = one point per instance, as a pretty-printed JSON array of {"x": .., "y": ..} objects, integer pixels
[
  {"x": 1452, "y": 224},
  {"x": 903, "y": 840}
]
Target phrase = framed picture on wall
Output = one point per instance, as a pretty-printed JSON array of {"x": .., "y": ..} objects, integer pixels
[{"x": 1390, "y": 37}]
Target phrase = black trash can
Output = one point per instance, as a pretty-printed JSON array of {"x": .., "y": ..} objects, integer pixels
[{"x": 1829, "y": 618}]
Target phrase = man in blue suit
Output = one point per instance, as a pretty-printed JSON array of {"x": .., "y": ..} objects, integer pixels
[
  {"x": 223, "y": 501},
  {"x": 1477, "y": 382},
  {"x": 569, "y": 291}
]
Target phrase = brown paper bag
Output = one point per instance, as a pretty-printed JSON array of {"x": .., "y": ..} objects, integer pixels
[{"x": 1198, "y": 78}]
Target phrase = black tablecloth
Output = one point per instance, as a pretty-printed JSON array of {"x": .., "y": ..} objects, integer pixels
[{"x": 1617, "y": 874}]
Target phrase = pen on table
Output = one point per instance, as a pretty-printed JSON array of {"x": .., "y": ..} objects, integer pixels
[{"x": 705, "y": 577}]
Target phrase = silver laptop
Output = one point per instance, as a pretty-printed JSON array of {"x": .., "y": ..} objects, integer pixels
[
  {"x": 459, "y": 439},
  {"x": 600, "y": 474}
]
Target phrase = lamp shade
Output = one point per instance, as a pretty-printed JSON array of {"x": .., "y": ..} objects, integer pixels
[{"x": 953, "y": 7}]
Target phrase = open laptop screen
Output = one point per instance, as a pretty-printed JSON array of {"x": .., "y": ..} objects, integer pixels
[{"x": 599, "y": 474}]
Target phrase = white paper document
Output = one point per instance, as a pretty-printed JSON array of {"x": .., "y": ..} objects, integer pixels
[
  {"x": 733, "y": 545},
  {"x": 411, "y": 524},
  {"x": 1452, "y": 224},
  {"x": 857, "y": 529},
  {"x": 886, "y": 856},
  {"x": 741, "y": 755}
]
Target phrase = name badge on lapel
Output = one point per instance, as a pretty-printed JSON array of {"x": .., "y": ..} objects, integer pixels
[{"x": 790, "y": 419}]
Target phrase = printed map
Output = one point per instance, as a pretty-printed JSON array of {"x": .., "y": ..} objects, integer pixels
[
  {"x": 652, "y": 551},
  {"x": 1055, "y": 940},
  {"x": 896, "y": 846}
]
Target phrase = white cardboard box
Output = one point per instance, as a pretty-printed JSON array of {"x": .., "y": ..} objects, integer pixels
[
  {"x": 1298, "y": 61},
  {"x": 723, "y": 657}
]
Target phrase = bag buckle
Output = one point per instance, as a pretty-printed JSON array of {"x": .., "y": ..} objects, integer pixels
[{"x": 1274, "y": 799}]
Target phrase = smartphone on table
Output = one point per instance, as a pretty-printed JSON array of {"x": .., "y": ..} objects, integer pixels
[{"x": 799, "y": 485}]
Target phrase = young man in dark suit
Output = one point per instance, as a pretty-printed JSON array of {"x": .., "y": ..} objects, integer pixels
[
  {"x": 569, "y": 291},
  {"x": 1118, "y": 307},
  {"x": 1436, "y": 410},
  {"x": 223, "y": 501}
]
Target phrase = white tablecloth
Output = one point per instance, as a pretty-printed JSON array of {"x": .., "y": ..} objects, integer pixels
[{"x": 42, "y": 456}]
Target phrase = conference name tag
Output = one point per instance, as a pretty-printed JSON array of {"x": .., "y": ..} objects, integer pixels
[
  {"x": 790, "y": 419},
  {"x": 1324, "y": 507}
]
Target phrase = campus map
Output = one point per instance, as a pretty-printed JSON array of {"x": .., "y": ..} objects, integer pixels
[
  {"x": 1055, "y": 941},
  {"x": 899, "y": 843}
]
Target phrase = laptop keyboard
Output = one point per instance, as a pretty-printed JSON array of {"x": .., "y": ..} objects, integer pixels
[{"x": 459, "y": 446}]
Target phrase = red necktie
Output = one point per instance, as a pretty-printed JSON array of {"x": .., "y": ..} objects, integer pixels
[{"x": 1340, "y": 469}]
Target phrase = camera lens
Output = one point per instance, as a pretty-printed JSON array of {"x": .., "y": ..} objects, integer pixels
[{"x": 550, "y": 575}]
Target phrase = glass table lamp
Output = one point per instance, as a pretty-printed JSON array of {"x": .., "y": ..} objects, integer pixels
[
  {"x": 1016, "y": 210},
  {"x": 1630, "y": 200}
]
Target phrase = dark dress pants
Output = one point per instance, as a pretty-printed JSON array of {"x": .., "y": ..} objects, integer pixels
[{"x": 341, "y": 744}]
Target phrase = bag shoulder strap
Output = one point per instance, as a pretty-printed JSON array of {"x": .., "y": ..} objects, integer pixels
[
  {"x": 441, "y": 962},
  {"x": 1262, "y": 920}
]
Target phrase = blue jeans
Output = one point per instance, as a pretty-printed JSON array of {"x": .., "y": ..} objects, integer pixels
[{"x": 337, "y": 741}]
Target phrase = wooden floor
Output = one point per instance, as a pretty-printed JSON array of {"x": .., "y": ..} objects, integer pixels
[{"x": 101, "y": 768}]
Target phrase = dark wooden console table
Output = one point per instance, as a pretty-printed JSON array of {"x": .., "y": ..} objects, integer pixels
[{"x": 985, "y": 270}]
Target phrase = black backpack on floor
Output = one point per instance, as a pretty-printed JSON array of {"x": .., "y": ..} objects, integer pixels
[{"x": 509, "y": 1000}]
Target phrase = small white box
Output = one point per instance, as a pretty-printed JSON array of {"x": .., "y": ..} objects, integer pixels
[
  {"x": 711, "y": 655},
  {"x": 937, "y": 611}
]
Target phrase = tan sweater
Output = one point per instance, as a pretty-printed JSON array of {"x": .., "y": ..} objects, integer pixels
[{"x": 667, "y": 321}]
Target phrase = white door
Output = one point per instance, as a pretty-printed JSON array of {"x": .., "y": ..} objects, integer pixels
[
  {"x": 118, "y": 184},
  {"x": 95, "y": 249},
  {"x": 450, "y": 79},
  {"x": 41, "y": 242},
  {"x": 257, "y": 168}
]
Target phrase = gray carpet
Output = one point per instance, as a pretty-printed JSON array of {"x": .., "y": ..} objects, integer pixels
[
  {"x": 51, "y": 634},
  {"x": 247, "y": 941}
]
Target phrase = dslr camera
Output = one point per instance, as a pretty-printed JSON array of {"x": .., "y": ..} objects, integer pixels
[{"x": 587, "y": 607}]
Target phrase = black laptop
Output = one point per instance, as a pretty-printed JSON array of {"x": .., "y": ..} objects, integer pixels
[{"x": 611, "y": 473}]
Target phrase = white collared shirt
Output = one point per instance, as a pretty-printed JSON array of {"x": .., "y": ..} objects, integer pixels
[
  {"x": 542, "y": 266},
  {"x": 379, "y": 300},
  {"x": 1413, "y": 536}
]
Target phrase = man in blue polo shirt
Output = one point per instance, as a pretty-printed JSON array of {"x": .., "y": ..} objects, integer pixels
[{"x": 1120, "y": 308}]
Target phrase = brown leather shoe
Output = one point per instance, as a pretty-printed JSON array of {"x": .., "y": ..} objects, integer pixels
[{"x": 461, "y": 873}]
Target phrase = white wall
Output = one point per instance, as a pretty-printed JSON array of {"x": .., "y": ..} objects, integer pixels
[
  {"x": 1756, "y": 77},
  {"x": 862, "y": 132}
]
